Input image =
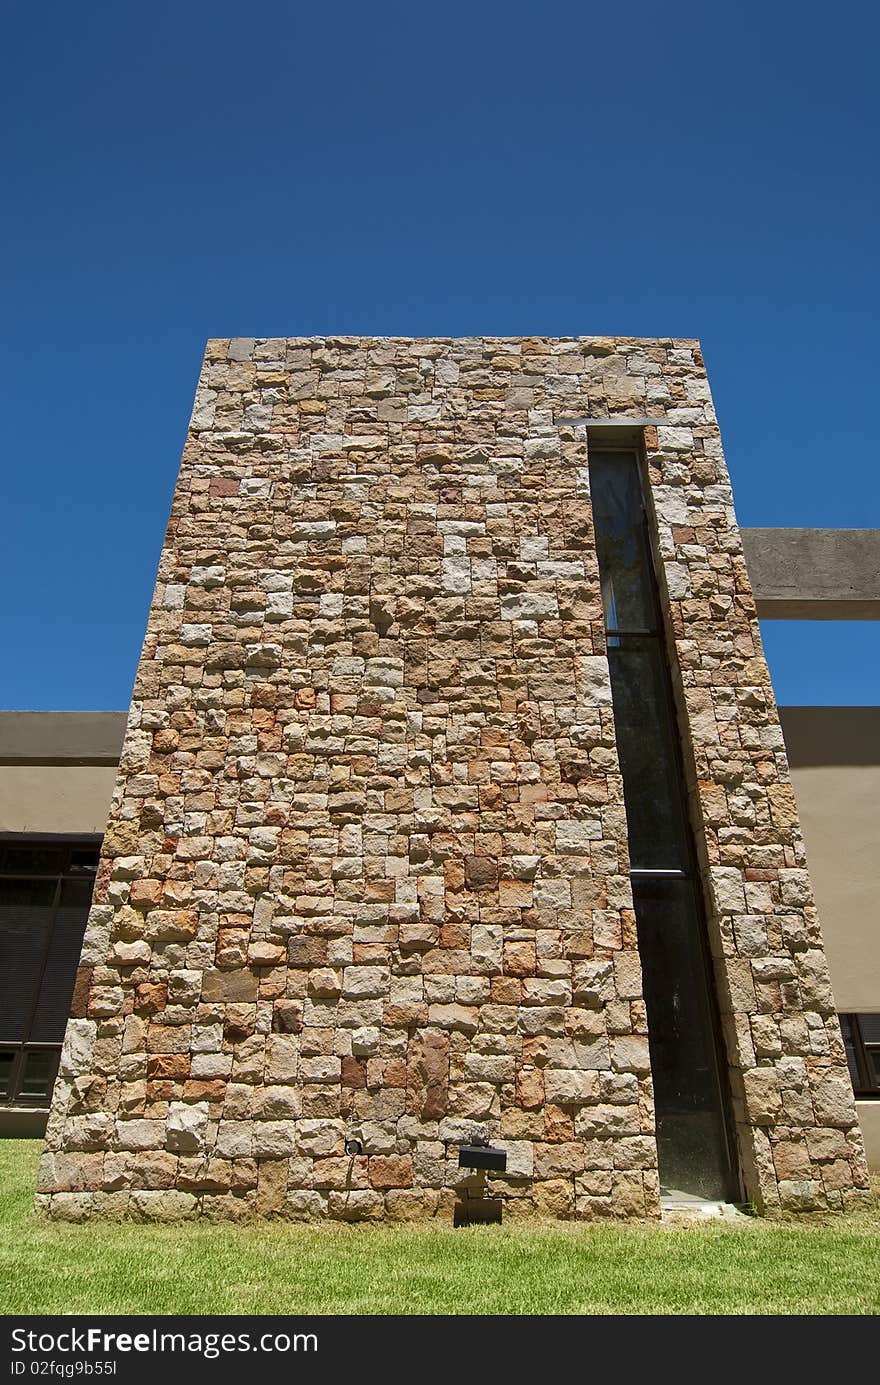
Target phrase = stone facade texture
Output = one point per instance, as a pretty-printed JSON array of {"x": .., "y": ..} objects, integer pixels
[{"x": 366, "y": 870}]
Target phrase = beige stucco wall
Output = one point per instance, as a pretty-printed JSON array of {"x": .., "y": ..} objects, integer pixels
[
  {"x": 55, "y": 798},
  {"x": 869, "y": 1119},
  {"x": 834, "y": 754},
  {"x": 835, "y": 767},
  {"x": 839, "y": 814},
  {"x": 838, "y": 807}
]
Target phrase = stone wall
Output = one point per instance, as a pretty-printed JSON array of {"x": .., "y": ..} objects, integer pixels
[{"x": 365, "y": 874}]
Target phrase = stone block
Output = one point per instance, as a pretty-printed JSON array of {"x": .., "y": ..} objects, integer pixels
[{"x": 187, "y": 1127}]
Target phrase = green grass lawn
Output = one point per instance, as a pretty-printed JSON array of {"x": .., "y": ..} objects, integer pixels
[{"x": 746, "y": 1267}]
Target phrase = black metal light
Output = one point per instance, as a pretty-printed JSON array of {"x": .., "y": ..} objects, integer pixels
[{"x": 482, "y": 1155}]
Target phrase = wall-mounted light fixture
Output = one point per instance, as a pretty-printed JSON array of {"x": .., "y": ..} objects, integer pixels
[
  {"x": 482, "y": 1155},
  {"x": 474, "y": 1206}
]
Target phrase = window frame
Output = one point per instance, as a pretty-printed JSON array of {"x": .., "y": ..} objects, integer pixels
[{"x": 65, "y": 868}]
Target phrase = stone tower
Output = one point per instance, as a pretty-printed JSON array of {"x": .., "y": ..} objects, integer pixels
[{"x": 367, "y": 870}]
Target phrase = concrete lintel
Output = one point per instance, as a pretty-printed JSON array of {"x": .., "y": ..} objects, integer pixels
[{"x": 814, "y": 574}]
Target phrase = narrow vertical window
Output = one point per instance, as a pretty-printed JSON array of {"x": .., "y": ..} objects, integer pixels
[{"x": 688, "y": 1067}]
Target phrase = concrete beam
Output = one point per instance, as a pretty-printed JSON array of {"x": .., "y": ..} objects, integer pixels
[
  {"x": 832, "y": 736},
  {"x": 61, "y": 738},
  {"x": 814, "y": 574}
]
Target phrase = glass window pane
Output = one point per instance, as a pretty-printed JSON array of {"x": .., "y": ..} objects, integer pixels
[
  {"x": 852, "y": 1062},
  {"x": 690, "y": 1133},
  {"x": 59, "y": 975},
  {"x": 84, "y": 860},
  {"x": 23, "y": 859},
  {"x": 25, "y": 913},
  {"x": 870, "y": 1027},
  {"x": 620, "y": 540},
  {"x": 656, "y": 827},
  {"x": 7, "y": 1059},
  {"x": 38, "y": 1076}
]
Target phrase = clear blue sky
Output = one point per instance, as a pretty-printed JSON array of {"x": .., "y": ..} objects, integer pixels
[{"x": 177, "y": 171}]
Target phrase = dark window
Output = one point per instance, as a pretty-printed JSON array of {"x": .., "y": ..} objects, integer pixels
[
  {"x": 45, "y": 894},
  {"x": 687, "y": 1063},
  {"x": 656, "y": 825},
  {"x": 861, "y": 1035}
]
